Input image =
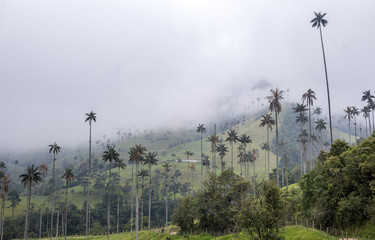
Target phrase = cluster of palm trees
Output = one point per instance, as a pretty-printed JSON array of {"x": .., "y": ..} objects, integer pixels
[{"x": 352, "y": 112}]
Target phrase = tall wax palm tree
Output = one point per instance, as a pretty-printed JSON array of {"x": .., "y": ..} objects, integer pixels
[
  {"x": 137, "y": 157},
  {"x": 29, "y": 178},
  {"x": 201, "y": 129},
  {"x": 367, "y": 96},
  {"x": 318, "y": 111},
  {"x": 267, "y": 121},
  {"x": 232, "y": 138},
  {"x": 366, "y": 114},
  {"x": 206, "y": 163},
  {"x": 43, "y": 170},
  {"x": 222, "y": 150},
  {"x": 167, "y": 169},
  {"x": 69, "y": 177},
  {"x": 303, "y": 138},
  {"x": 371, "y": 105},
  {"x": 318, "y": 22},
  {"x": 241, "y": 157},
  {"x": 275, "y": 105},
  {"x": 320, "y": 125},
  {"x": 214, "y": 139},
  {"x": 188, "y": 154},
  {"x": 90, "y": 117},
  {"x": 348, "y": 115},
  {"x": 266, "y": 148},
  {"x": 55, "y": 149},
  {"x": 244, "y": 140},
  {"x": 110, "y": 155},
  {"x": 132, "y": 161},
  {"x": 143, "y": 173},
  {"x": 355, "y": 113},
  {"x": 120, "y": 164},
  {"x": 150, "y": 159},
  {"x": 309, "y": 97}
]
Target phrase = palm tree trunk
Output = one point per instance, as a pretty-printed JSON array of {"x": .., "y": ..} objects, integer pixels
[
  {"x": 350, "y": 140},
  {"x": 27, "y": 213},
  {"x": 373, "y": 126},
  {"x": 2, "y": 216},
  {"x": 132, "y": 205},
  {"x": 369, "y": 125},
  {"x": 149, "y": 197},
  {"x": 355, "y": 130},
  {"x": 326, "y": 74},
  {"x": 311, "y": 147},
  {"x": 366, "y": 127},
  {"x": 268, "y": 154},
  {"x": 88, "y": 188},
  {"x": 302, "y": 163},
  {"x": 231, "y": 146},
  {"x": 66, "y": 211},
  {"x": 201, "y": 162},
  {"x": 57, "y": 224},
  {"x": 277, "y": 152},
  {"x": 142, "y": 200},
  {"x": 53, "y": 195},
  {"x": 265, "y": 163},
  {"x": 286, "y": 172},
  {"x": 136, "y": 202},
  {"x": 166, "y": 206},
  {"x": 118, "y": 204},
  {"x": 41, "y": 212},
  {"x": 109, "y": 201}
]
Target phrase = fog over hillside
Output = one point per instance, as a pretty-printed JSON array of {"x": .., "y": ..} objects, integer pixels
[{"x": 149, "y": 64}]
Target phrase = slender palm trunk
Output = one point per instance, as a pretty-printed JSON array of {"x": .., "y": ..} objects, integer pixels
[
  {"x": 286, "y": 172},
  {"x": 321, "y": 140},
  {"x": 231, "y": 146},
  {"x": 66, "y": 212},
  {"x": 304, "y": 159},
  {"x": 268, "y": 154},
  {"x": 355, "y": 130},
  {"x": 366, "y": 127},
  {"x": 369, "y": 125},
  {"x": 27, "y": 213},
  {"x": 166, "y": 205},
  {"x": 142, "y": 200},
  {"x": 2, "y": 216},
  {"x": 350, "y": 139},
  {"x": 301, "y": 156},
  {"x": 311, "y": 147},
  {"x": 88, "y": 188},
  {"x": 326, "y": 74},
  {"x": 201, "y": 162},
  {"x": 118, "y": 203},
  {"x": 132, "y": 204},
  {"x": 373, "y": 126},
  {"x": 149, "y": 197},
  {"x": 41, "y": 212},
  {"x": 265, "y": 163},
  {"x": 282, "y": 171},
  {"x": 53, "y": 195},
  {"x": 57, "y": 224},
  {"x": 109, "y": 201},
  {"x": 277, "y": 152},
  {"x": 136, "y": 201}
]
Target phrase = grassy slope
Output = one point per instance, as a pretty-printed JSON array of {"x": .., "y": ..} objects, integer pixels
[
  {"x": 158, "y": 142},
  {"x": 290, "y": 233}
]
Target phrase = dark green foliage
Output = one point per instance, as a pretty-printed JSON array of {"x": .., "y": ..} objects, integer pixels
[{"x": 340, "y": 191}]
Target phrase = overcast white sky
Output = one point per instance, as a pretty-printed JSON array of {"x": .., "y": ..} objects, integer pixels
[{"x": 161, "y": 63}]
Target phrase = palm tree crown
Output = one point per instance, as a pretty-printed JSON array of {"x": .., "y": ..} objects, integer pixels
[{"x": 319, "y": 20}]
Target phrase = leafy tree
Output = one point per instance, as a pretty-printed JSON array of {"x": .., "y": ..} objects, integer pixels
[
  {"x": 55, "y": 149},
  {"x": 110, "y": 155},
  {"x": 201, "y": 129},
  {"x": 69, "y": 177},
  {"x": 275, "y": 105},
  {"x": 90, "y": 117},
  {"x": 262, "y": 213},
  {"x": 31, "y": 177},
  {"x": 318, "y": 22},
  {"x": 232, "y": 138},
  {"x": 267, "y": 121}
]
